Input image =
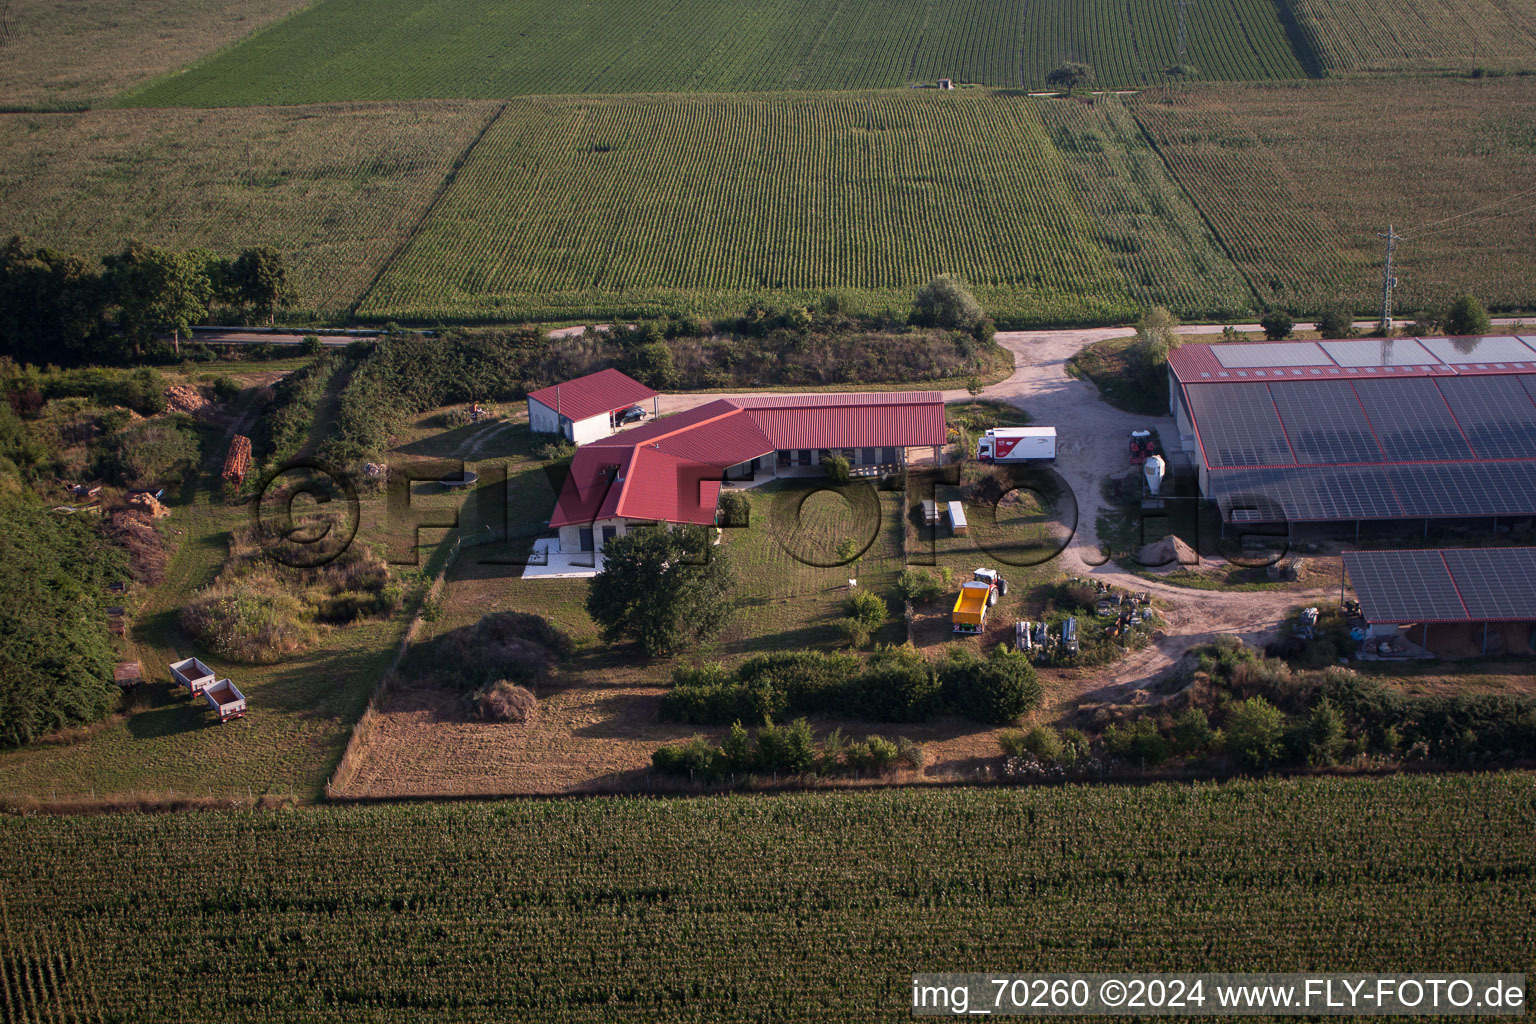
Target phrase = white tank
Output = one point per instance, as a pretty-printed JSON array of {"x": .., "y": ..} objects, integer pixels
[{"x": 1152, "y": 470}]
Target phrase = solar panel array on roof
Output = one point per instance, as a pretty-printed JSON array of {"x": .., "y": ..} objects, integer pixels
[
  {"x": 1480, "y": 350},
  {"x": 1325, "y": 422},
  {"x": 1266, "y": 354},
  {"x": 1496, "y": 414},
  {"x": 1385, "y": 352},
  {"x": 1411, "y": 419},
  {"x": 1448, "y": 585},
  {"x": 1239, "y": 426},
  {"x": 1404, "y": 586},
  {"x": 1390, "y": 491}
]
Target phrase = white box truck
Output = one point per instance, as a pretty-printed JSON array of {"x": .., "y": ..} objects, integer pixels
[{"x": 1017, "y": 444}]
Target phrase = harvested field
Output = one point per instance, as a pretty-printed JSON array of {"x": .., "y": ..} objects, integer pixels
[
  {"x": 336, "y": 189},
  {"x": 60, "y": 54}
]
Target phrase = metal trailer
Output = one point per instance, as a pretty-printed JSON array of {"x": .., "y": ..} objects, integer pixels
[
  {"x": 192, "y": 674},
  {"x": 226, "y": 699}
]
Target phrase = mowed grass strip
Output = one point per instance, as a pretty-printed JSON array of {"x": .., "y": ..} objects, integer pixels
[
  {"x": 801, "y": 907},
  {"x": 336, "y": 188},
  {"x": 623, "y": 206},
  {"x": 404, "y": 49},
  {"x": 83, "y": 52},
  {"x": 1298, "y": 179},
  {"x": 1419, "y": 35}
]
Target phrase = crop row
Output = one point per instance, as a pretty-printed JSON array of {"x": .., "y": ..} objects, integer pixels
[
  {"x": 396, "y": 49},
  {"x": 802, "y": 907},
  {"x": 1396, "y": 35},
  {"x": 563, "y": 199}
]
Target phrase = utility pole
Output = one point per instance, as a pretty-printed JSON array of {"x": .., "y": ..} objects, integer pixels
[
  {"x": 1387, "y": 280},
  {"x": 1183, "y": 47}
]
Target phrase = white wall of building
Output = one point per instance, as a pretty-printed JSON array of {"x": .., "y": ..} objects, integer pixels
[{"x": 544, "y": 420}]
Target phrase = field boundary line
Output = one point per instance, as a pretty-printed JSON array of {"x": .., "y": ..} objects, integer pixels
[{"x": 431, "y": 208}]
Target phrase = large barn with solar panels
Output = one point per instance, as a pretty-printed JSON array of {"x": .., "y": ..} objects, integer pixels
[{"x": 1362, "y": 429}]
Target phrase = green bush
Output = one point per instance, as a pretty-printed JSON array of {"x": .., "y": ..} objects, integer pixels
[
  {"x": 874, "y": 754},
  {"x": 920, "y": 585},
  {"x": 1139, "y": 742},
  {"x": 735, "y": 510},
  {"x": 1040, "y": 740},
  {"x": 152, "y": 453},
  {"x": 255, "y": 621},
  {"x": 837, "y": 469},
  {"x": 998, "y": 689},
  {"x": 1192, "y": 733},
  {"x": 897, "y": 687},
  {"x": 1254, "y": 730}
]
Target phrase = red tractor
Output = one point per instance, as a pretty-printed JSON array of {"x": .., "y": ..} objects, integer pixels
[{"x": 1143, "y": 446}]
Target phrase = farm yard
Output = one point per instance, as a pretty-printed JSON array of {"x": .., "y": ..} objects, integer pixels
[{"x": 819, "y": 905}]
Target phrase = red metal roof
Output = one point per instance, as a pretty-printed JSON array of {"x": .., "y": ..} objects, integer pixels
[
  {"x": 669, "y": 469},
  {"x": 600, "y": 392}
]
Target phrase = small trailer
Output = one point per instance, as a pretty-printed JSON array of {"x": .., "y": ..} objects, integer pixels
[
  {"x": 931, "y": 513},
  {"x": 225, "y": 698},
  {"x": 1017, "y": 444},
  {"x": 192, "y": 674},
  {"x": 957, "y": 523},
  {"x": 969, "y": 616}
]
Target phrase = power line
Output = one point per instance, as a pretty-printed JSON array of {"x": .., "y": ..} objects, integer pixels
[{"x": 1471, "y": 213}]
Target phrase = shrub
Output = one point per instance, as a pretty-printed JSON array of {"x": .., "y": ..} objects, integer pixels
[
  {"x": 311, "y": 345},
  {"x": 255, "y": 620},
  {"x": 837, "y": 469},
  {"x": 867, "y": 612},
  {"x": 1192, "y": 733},
  {"x": 152, "y": 453},
  {"x": 225, "y": 388},
  {"x": 919, "y": 585},
  {"x": 505, "y": 701},
  {"x": 897, "y": 687},
  {"x": 874, "y": 754},
  {"x": 910, "y": 754},
  {"x": 1139, "y": 742},
  {"x": 555, "y": 451},
  {"x": 1039, "y": 740},
  {"x": 997, "y": 690},
  {"x": 695, "y": 759},
  {"x": 945, "y": 302},
  {"x": 1254, "y": 730},
  {"x": 785, "y": 749},
  {"x": 735, "y": 510}
]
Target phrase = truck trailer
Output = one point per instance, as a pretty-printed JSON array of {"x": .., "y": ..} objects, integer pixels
[{"x": 1017, "y": 444}]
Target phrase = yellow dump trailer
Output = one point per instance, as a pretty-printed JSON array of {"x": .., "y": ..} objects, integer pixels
[{"x": 970, "y": 613}]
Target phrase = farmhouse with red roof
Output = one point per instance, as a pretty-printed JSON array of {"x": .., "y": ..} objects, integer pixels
[
  {"x": 589, "y": 407},
  {"x": 671, "y": 470}
]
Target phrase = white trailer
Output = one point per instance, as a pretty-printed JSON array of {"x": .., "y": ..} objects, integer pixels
[
  {"x": 192, "y": 674},
  {"x": 1017, "y": 444},
  {"x": 225, "y": 698}
]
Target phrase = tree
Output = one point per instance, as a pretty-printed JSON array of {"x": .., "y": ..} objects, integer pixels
[
  {"x": 259, "y": 278},
  {"x": 1466, "y": 315},
  {"x": 1325, "y": 734},
  {"x": 1157, "y": 334},
  {"x": 661, "y": 588},
  {"x": 1336, "y": 322},
  {"x": 1192, "y": 731},
  {"x": 1277, "y": 324},
  {"x": 51, "y": 305},
  {"x": 837, "y": 469},
  {"x": 158, "y": 290},
  {"x": 1254, "y": 731},
  {"x": 1069, "y": 76},
  {"x": 946, "y": 302},
  {"x": 651, "y": 363}
]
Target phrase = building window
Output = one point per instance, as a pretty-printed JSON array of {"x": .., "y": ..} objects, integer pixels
[
  {"x": 803, "y": 456},
  {"x": 888, "y": 456},
  {"x": 784, "y": 456},
  {"x": 867, "y": 456},
  {"x": 585, "y": 533}
]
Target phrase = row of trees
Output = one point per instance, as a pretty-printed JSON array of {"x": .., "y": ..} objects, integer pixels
[{"x": 61, "y": 307}]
